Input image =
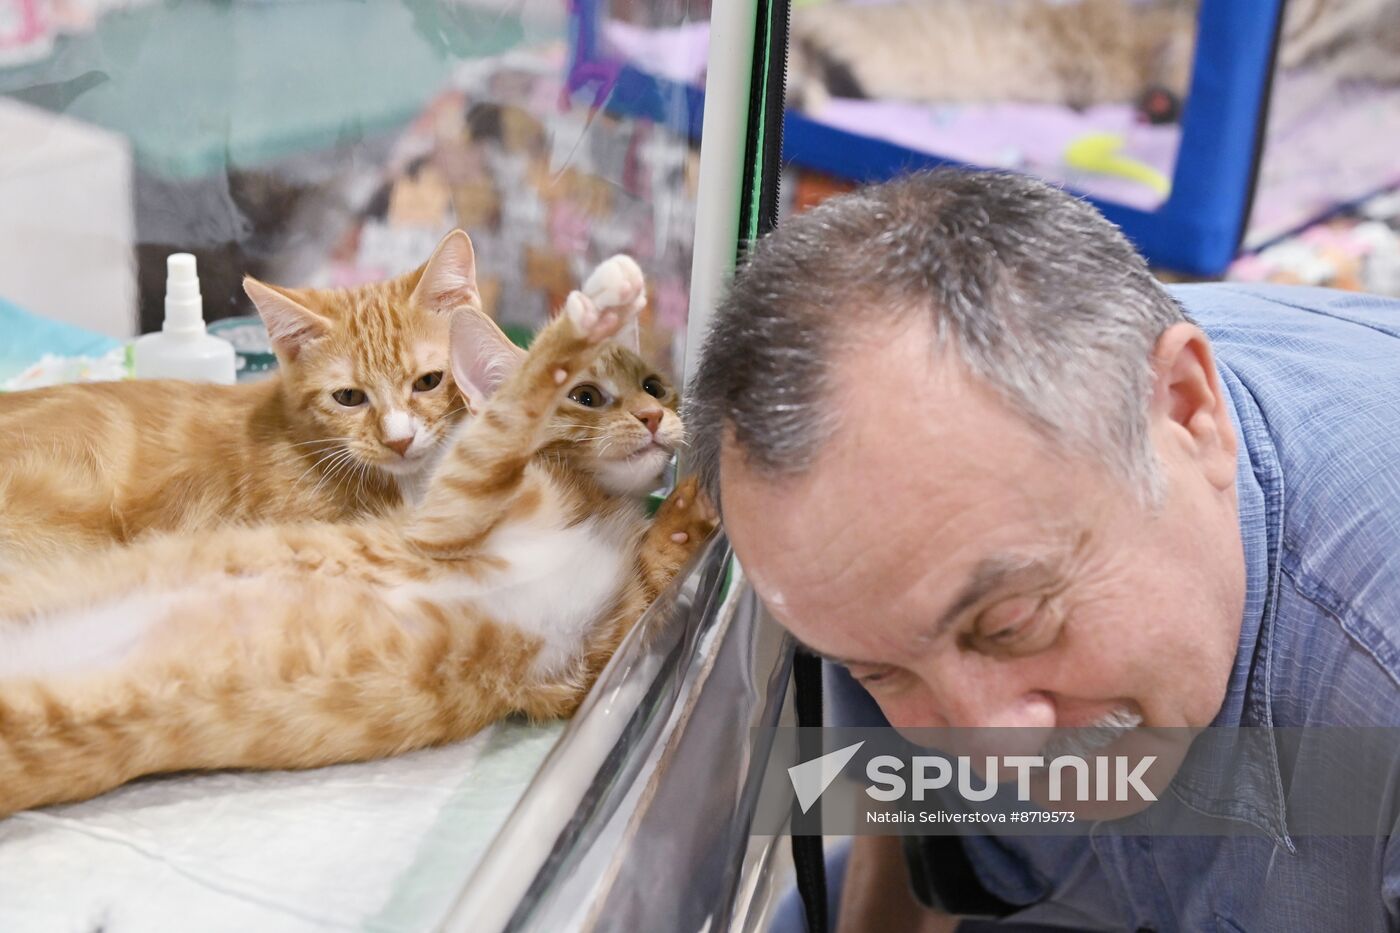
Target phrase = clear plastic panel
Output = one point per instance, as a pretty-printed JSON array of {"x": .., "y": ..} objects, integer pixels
[
  {"x": 315, "y": 143},
  {"x": 1334, "y": 116},
  {"x": 1085, "y": 92}
]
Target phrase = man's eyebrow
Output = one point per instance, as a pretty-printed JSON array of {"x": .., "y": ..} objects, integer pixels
[{"x": 987, "y": 577}]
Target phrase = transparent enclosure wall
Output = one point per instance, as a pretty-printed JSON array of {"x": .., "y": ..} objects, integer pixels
[
  {"x": 1086, "y": 92},
  {"x": 1089, "y": 94},
  {"x": 1326, "y": 210},
  {"x": 1165, "y": 112},
  {"x": 313, "y": 143},
  {"x": 308, "y": 143},
  {"x": 1334, "y": 115}
]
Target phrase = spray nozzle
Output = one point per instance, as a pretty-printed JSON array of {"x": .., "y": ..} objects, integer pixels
[{"x": 184, "y": 309}]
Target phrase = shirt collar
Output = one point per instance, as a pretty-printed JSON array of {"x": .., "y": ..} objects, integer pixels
[{"x": 1248, "y": 785}]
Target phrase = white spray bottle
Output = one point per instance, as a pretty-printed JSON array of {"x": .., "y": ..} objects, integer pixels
[{"x": 183, "y": 349}]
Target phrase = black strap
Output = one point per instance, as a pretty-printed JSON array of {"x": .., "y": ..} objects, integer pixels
[
  {"x": 763, "y": 144},
  {"x": 808, "y": 861},
  {"x": 943, "y": 879}
]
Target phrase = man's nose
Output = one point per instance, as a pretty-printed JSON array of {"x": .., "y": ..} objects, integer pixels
[
  {"x": 1019, "y": 725},
  {"x": 1031, "y": 710},
  {"x": 651, "y": 417},
  {"x": 991, "y": 715}
]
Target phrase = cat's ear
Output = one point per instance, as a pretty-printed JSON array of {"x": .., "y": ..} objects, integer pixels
[
  {"x": 448, "y": 279},
  {"x": 290, "y": 324},
  {"x": 482, "y": 356}
]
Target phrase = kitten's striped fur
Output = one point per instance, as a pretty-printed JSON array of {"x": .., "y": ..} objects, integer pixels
[{"x": 505, "y": 590}]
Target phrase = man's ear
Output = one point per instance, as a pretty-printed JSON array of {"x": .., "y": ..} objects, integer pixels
[
  {"x": 448, "y": 279},
  {"x": 482, "y": 356},
  {"x": 290, "y": 324},
  {"x": 1189, "y": 400}
]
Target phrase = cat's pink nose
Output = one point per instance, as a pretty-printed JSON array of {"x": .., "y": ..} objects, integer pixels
[
  {"x": 400, "y": 445},
  {"x": 650, "y": 417}
]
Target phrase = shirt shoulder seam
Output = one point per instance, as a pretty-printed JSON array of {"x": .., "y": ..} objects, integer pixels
[
  {"x": 1353, "y": 623},
  {"x": 1321, "y": 312}
]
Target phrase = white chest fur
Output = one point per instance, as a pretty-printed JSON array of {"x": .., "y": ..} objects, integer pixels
[{"x": 556, "y": 583}]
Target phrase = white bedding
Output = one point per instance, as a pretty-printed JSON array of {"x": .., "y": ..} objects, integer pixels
[{"x": 382, "y": 846}]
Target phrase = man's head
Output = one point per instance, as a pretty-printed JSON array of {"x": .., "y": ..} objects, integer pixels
[{"x": 964, "y": 443}]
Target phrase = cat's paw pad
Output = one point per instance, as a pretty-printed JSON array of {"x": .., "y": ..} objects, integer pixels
[
  {"x": 617, "y": 283},
  {"x": 687, "y": 517},
  {"x": 592, "y": 323}
]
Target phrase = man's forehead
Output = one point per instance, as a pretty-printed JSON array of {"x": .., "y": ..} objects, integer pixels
[
  {"x": 804, "y": 541},
  {"x": 891, "y": 457}
]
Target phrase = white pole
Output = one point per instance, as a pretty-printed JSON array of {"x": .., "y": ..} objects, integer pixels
[{"x": 722, "y": 139}]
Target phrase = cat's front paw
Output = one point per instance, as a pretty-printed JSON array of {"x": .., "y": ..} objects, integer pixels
[
  {"x": 590, "y": 322},
  {"x": 686, "y": 519},
  {"x": 617, "y": 283}
]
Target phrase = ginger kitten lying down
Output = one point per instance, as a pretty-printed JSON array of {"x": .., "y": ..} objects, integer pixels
[
  {"x": 504, "y": 591},
  {"x": 361, "y": 404}
]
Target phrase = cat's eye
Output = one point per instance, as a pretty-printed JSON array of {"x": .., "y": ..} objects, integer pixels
[
  {"x": 589, "y": 396},
  {"x": 427, "y": 381},
  {"x": 350, "y": 398},
  {"x": 653, "y": 386}
]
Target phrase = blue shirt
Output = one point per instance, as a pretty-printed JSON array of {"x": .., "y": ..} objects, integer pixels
[{"x": 1313, "y": 377}]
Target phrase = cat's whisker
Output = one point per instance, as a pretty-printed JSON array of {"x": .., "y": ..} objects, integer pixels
[
  {"x": 335, "y": 468},
  {"x": 346, "y": 466},
  {"x": 336, "y": 461},
  {"x": 325, "y": 451},
  {"x": 308, "y": 470},
  {"x": 320, "y": 455},
  {"x": 319, "y": 483},
  {"x": 322, "y": 458},
  {"x": 361, "y": 476},
  {"x": 353, "y": 475},
  {"x": 321, "y": 440}
]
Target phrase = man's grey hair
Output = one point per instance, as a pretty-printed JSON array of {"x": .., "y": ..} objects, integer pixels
[{"x": 1039, "y": 296}]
